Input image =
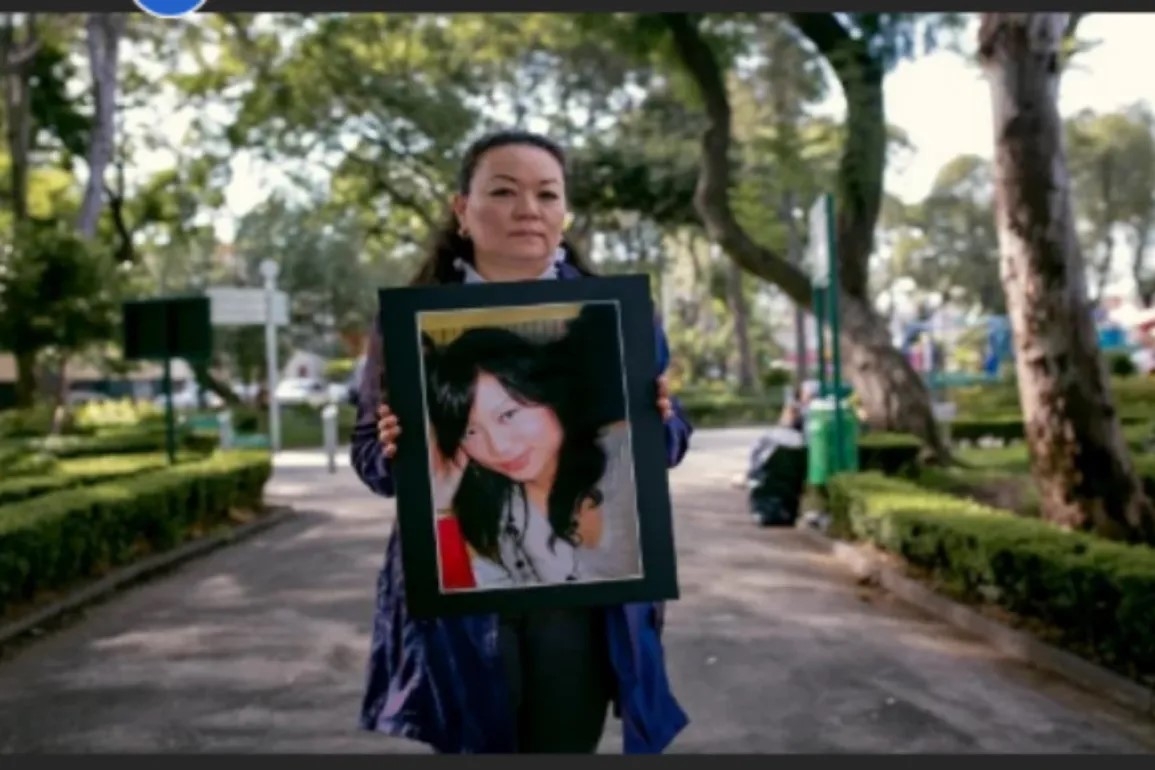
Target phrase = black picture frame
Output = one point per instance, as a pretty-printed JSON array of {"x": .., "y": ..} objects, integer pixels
[{"x": 401, "y": 324}]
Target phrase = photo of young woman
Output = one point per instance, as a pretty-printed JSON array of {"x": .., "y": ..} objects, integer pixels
[{"x": 531, "y": 466}]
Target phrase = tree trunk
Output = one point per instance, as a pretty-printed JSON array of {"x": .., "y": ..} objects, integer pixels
[
  {"x": 892, "y": 394},
  {"x": 25, "y": 379},
  {"x": 1143, "y": 284},
  {"x": 103, "y": 33},
  {"x": 1079, "y": 460},
  {"x": 19, "y": 44},
  {"x": 746, "y": 379},
  {"x": 795, "y": 256}
]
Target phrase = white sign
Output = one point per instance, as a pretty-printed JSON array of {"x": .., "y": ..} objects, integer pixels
[
  {"x": 819, "y": 241},
  {"x": 231, "y": 306}
]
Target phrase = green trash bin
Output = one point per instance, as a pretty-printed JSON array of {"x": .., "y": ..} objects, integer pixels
[
  {"x": 819, "y": 419},
  {"x": 827, "y": 446},
  {"x": 849, "y": 436}
]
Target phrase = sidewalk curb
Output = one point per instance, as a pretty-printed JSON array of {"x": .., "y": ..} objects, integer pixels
[
  {"x": 142, "y": 569},
  {"x": 1015, "y": 644}
]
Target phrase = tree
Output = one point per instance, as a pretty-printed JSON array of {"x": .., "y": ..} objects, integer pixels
[
  {"x": 1112, "y": 160},
  {"x": 103, "y": 34},
  {"x": 1080, "y": 462},
  {"x": 959, "y": 248},
  {"x": 892, "y": 393},
  {"x": 58, "y": 293}
]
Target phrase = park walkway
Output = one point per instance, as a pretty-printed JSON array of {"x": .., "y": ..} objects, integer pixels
[{"x": 260, "y": 647}]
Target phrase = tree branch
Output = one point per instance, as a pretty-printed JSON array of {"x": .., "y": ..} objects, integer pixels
[
  {"x": 712, "y": 196},
  {"x": 381, "y": 178}
]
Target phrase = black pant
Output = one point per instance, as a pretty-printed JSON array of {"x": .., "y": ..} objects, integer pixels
[{"x": 560, "y": 679}]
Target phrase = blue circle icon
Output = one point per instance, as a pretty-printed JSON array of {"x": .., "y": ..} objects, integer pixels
[{"x": 169, "y": 9}]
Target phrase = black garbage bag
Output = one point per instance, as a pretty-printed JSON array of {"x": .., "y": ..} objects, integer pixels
[{"x": 776, "y": 477}]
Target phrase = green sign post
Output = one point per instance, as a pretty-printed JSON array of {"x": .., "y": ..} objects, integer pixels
[
  {"x": 825, "y": 289},
  {"x": 165, "y": 328}
]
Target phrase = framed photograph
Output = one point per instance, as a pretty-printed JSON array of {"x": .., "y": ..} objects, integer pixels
[{"x": 531, "y": 466}]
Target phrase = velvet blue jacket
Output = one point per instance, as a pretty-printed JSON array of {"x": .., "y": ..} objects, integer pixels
[{"x": 441, "y": 681}]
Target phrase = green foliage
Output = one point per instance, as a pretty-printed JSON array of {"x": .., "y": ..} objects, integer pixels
[
  {"x": 1121, "y": 365},
  {"x": 48, "y": 543},
  {"x": 340, "y": 369},
  {"x": 81, "y": 472},
  {"x": 711, "y": 410},
  {"x": 57, "y": 290},
  {"x": 113, "y": 442},
  {"x": 98, "y": 416},
  {"x": 26, "y": 423},
  {"x": 892, "y": 454},
  {"x": 1098, "y": 597}
]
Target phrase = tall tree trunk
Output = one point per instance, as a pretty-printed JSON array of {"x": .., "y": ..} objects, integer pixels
[
  {"x": 746, "y": 379},
  {"x": 892, "y": 394},
  {"x": 1079, "y": 460},
  {"x": 1143, "y": 283},
  {"x": 795, "y": 256},
  {"x": 19, "y": 44},
  {"x": 103, "y": 34}
]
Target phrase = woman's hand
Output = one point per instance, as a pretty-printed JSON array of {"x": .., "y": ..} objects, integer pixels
[
  {"x": 446, "y": 474},
  {"x": 665, "y": 405},
  {"x": 387, "y": 430}
]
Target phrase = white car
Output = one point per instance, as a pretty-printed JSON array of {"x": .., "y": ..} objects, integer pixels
[
  {"x": 302, "y": 390},
  {"x": 186, "y": 398}
]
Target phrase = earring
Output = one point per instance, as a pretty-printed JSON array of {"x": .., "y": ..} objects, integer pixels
[{"x": 462, "y": 232}]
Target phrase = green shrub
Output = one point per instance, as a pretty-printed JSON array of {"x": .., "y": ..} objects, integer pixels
[
  {"x": 1099, "y": 596},
  {"x": 26, "y": 423},
  {"x": 1121, "y": 365},
  {"x": 81, "y": 472},
  {"x": 890, "y": 453},
  {"x": 716, "y": 410},
  {"x": 117, "y": 443},
  {"x": 340, "y": 369},
  {"x": 52, "y": 541},
  {"x": 1134, "y": 397},
  {"x": 101, "y": 416},
  {"x": 21, "y": 463}
]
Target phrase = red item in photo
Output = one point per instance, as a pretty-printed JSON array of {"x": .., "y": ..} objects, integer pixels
[{"x": 456, "y": 570}]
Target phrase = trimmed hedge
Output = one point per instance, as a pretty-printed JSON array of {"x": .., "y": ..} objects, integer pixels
[
  {"x": 890, "y": 453},
  {"x": 121, "y": 442},
  {"x": 721, "y": 410},
  {"x": 1009, "y": 428},
  {"x": 26, "y": 423},
  {"x": 81, "y": 472},
  {"x": 51, "y": 541},
  {"x": 1098, "y": 596}
]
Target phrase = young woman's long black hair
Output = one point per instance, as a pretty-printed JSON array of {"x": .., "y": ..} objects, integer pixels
[{"x": 534, "y": 374}]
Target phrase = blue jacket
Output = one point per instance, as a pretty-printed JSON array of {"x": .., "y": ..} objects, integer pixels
[{"x": 442, "y": 682}]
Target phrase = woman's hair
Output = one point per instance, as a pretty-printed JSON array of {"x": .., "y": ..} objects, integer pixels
[
  {"x": 534, "y": 374},
  {"x": 447, "y": 243}
]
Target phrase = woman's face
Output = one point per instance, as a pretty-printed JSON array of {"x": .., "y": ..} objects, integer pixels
[
  {"x": 515, "y": 210},
  {"x": 507, "y": 437}
]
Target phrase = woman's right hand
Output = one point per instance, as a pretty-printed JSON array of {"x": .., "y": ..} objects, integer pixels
[
  {"x": 387, "y": 430},
  {"x": 447, "y": 474}
]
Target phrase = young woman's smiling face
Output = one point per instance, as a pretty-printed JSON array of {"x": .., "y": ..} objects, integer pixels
[{"x": 519, "y": 441}]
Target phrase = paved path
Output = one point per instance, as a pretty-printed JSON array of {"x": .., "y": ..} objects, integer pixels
[{"x": 260, "y": 647}]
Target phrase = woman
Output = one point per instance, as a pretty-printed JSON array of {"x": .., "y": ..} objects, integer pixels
[
  {"x": 541, "y": 491},
  {"x": 539, "y": 682}
]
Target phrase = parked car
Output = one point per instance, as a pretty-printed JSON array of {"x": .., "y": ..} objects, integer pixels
[
  {"x": 79, "y": 397},
  {"x": 187, "y": 398},
  {"x": 296, "y": 391}
]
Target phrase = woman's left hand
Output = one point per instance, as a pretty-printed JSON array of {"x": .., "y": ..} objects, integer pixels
[{"x": 665, "y": 405}]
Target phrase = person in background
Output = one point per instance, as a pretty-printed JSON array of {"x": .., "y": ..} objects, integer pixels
[{"x": 541, "y": 681}]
